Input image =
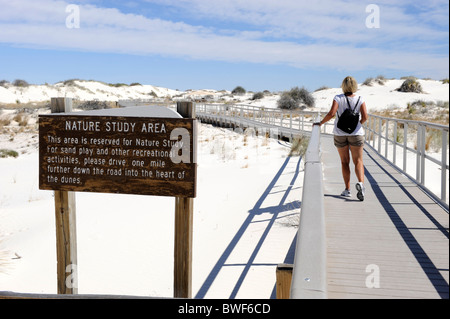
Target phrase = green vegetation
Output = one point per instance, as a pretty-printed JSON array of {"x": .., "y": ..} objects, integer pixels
[
  {"x": 380, "y": 79},
  {"x": 20, "y": 83},
  {"x": 239, "y": 90},
  {"x": 8, "y": 153},
  {"x": 292, "y": 99},
  {"x": 258, "y": 96},
  {"x": 410, "y": 85},
  {"x": 324, "y": 87}
]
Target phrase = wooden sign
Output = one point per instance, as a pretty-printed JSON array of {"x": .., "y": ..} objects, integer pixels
[{"x": 110, "y": 154}]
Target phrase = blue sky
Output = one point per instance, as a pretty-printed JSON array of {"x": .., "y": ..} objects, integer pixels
[{"x": 219, "y": 44}]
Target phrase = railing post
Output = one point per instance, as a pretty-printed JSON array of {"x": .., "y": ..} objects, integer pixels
[
  {"x": 443, "y": 166},
  {"x": 283, "y": 281},
  {"x": 65, "y": 218},
  {"x": 372, "y": 130},
  {"x": 386, "y": 146},
  {"x": 394, "y": 151},
  {"x": 422, "y": 155},
  {"x": 290, "y": 126},
  {"x": 380, "y": 125},
  {"x": 184, "y": 211},
  {"x": 405, "y": 145},
  {"x": 418, "y": 151}
]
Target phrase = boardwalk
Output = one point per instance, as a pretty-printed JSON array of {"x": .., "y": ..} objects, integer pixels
[
  {"x": 398, "y": 232},
  {"x": 395, "y": 244}
]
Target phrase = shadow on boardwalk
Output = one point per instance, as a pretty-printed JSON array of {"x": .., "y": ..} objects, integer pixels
[
  {"x": 398, "y": 228},
  {"x": 258, "y": 209},
  {"x": 423, "y": 259}
]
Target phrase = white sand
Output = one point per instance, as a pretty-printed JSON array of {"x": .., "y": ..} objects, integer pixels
[
  {"x": 378, "y": 97},
  {"x": 125, "y": 242}
]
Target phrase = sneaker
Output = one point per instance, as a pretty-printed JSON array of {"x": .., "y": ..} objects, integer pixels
[
  {"x": 361, "y": 189},
  {"x": 346, "y": 193}
]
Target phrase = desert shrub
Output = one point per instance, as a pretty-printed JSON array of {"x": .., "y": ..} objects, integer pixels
[
  {"x": 135, "y": 84},
  {"x": 410, "y": 85},
  {"x": 258, "y": 96},
  {"x": 8, "y": 153},
  {"x": 380, "y": 79},
  {"x": 324, "y": 87},
  {"x": 239, "y": 90},
  {"x": 408, "y": 77},
  {"x": 298, "y": 95},
  {"x": 4, "y": 83},
  {"x": 442, "y": 104},
  {"x": 368, "y": 82},
  {"x": 20, "y": 83},
  {"x": 444, "y": 81},
  {"x": 287, "y": 102},
  {"x": 304, "y": 96},
  {"x": 96, "y": 105},
  {"x": 70, "y": 82},
  {"x": 117, "y": 85}
]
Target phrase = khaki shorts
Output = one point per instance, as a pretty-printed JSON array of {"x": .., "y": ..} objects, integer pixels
[{"x": 353, "y": 140}]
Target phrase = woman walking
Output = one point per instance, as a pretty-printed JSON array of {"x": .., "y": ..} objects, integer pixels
[{"x": 349, "y": 140}]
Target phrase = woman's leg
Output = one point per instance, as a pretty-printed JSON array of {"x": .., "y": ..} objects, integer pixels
[
  {"x": 345, "y": 164},
  {"x": 357, "y": 156}
]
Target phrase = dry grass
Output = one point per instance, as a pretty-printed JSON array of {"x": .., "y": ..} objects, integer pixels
[
  {"x": 432, "y": 112},
  {"x": 299, "y": 146},
  {"x": 4, "y": 122},
  {"x": 21, "y": 119},
  {"x": 30, "y": 105},
  {"x": 4, "y": 260}
]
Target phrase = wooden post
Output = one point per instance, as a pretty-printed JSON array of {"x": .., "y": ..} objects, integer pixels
[
  {"x": 284, "y": 278},
  {"x": 65, "y": 212},
  {"x": 184, "y": 211}
]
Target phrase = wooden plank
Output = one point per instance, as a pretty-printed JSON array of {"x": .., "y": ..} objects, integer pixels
[
  {"x": 66, "y": 242},
  {"x": 183, "y": 247},
  {"x": 65, "y": 219},
  {"x": 184, "y": 214},
  {"x": 397, "y": 228},
  {"x": 283, "y": 281}
]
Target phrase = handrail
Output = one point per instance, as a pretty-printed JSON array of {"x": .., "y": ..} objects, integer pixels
[
  {"x": 309, "y": 270},
  {"x": 379, "y": 135},
  {"x": 242, "y": 115},
  {"x": 386, "y": 135}
]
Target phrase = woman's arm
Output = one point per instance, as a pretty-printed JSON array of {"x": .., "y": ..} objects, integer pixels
[
  {"x": 331, "y": 113},
  {"x": 363, "y": 111}
]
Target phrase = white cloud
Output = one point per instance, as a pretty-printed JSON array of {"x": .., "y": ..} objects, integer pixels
[
  {"x": 306, "y": 34},
  {"x": 331, "y": 20}
]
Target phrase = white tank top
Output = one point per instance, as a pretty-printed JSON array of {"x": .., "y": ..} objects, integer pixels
[{"x": 342, "y": 102}]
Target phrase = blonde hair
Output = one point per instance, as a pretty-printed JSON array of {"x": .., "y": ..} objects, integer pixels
[{"x": 349, "y": 85}]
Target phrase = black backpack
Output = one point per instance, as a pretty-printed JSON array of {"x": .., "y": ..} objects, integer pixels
[{"x": 348, "y": 121}]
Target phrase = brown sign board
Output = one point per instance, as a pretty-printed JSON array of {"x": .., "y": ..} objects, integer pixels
[{"x": 118, "y": 154}]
